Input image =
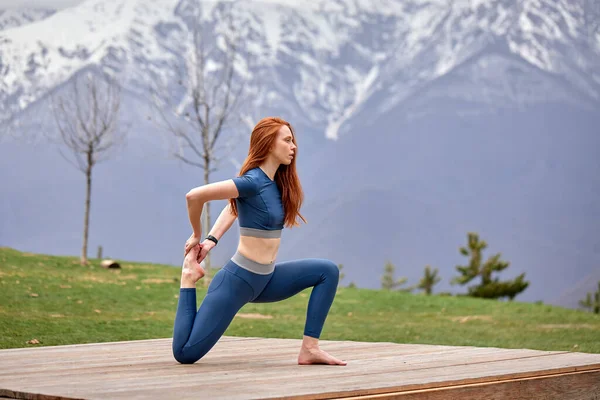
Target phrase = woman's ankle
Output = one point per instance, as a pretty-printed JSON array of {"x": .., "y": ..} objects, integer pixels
[
  {"x": 309, "y": 342},
  {"x": 187, "y": 280}
]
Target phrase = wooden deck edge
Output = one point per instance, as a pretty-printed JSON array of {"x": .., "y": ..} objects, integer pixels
[
  {"x": 548, "y": 384},
  {"x": 12, "y": 394}
]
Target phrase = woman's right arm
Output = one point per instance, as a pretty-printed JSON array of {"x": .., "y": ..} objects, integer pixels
[{"x": 196, "y": 198}]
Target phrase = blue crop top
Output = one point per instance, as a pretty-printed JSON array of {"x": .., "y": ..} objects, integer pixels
[{"x": 260, "y": 211}]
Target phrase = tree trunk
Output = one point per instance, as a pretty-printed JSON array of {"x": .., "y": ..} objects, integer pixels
[
  {"x": 206, "y": 213},
  {"x": 86, "y": 221}
]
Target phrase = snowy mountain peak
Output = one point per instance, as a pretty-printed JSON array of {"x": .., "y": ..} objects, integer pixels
[{"x": 322, "y": 60}]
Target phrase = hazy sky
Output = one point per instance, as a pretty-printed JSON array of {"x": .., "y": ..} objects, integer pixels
[{"x": 55, "y": 4}]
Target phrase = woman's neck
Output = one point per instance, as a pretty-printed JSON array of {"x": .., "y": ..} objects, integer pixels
[{"x": 269, "y": 166}]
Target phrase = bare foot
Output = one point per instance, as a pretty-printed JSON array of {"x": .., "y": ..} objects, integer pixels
[
  {"x": 310, "y": 356},
  {"x": 191, "y": 271}
]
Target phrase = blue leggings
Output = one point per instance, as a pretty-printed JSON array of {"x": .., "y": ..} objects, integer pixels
[{"x": 196, "y": 332}]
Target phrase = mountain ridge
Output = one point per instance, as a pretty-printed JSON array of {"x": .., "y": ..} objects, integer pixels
[{"x": 339, "y": 94}]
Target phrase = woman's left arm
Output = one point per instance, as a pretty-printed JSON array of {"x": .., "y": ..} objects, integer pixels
[
  {"x": 223, "y": 223},
  {"x": 195, "y": 200}
]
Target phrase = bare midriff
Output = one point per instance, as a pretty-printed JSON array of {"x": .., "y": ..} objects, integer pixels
[{"x": 261, "y": 250}]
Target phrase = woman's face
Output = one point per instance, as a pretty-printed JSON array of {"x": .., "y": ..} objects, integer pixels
[{"x": 284, "y": 149}]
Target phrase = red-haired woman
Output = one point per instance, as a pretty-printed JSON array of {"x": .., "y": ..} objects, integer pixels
[{"x": 265, "y": 197}]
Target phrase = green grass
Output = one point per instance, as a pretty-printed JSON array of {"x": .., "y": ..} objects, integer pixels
[{"x": 57, "y": 301}]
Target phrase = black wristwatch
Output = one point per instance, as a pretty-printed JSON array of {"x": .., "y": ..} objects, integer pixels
[{"x": 214, "y": 239}]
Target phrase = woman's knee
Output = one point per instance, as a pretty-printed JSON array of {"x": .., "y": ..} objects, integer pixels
[
  {"x": 188, "y": 357},
  {"x": 331, "y": 270},
  {"x": 183, "y": 358}
]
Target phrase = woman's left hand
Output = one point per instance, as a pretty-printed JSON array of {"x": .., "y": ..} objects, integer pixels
[{"x": 190, "y": 243}]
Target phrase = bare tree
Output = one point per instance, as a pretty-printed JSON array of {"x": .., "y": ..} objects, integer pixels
[
  {"x": 212, "y": 96},
  {"x": 87, "y": 117}
]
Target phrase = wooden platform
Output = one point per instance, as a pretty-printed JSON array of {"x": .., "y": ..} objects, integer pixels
[{"x": 256, "y": 368}]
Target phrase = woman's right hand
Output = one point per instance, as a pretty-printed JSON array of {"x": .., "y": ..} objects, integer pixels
[
  {"x": 205, "y": 247},
  {"x": 190, "y": 243}
]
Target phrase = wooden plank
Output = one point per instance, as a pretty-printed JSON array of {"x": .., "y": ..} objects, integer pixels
[
  {"x": 55, "y": 371},
  {"x": 261, "y": 358},
  {"x": 124, "y": 356},
  {"x": 222, "y": 350},
  {"x": 350, "y": 384},
  {"x": 177, "y": 379},
  {"x": 15, "y": 362},
  {"x": 111, "y": 346},
  {"x": 263, "y": 368}
]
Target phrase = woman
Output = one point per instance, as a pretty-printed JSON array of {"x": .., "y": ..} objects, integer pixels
[{"x": 266, "y": 196}]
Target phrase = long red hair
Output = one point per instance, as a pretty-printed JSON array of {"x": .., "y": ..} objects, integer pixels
[{"x": 262, "y": 138}]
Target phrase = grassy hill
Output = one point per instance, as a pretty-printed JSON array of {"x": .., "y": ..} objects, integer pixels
[{"x": 57, "y": 301}]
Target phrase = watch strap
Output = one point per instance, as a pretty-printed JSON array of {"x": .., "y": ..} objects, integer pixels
[{"x": 214, "y": 239}]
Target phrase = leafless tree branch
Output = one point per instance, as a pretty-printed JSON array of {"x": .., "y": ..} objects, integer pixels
[
  {"x": 212, "y": 96},
  {"x": 87, "y": 118},
  {"x": 187, "y": 161}
]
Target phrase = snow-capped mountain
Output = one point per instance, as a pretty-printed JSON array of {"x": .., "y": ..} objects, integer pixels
[
  {"x": 323, "y": 59},
  {"x": 13, "y": 18}
]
